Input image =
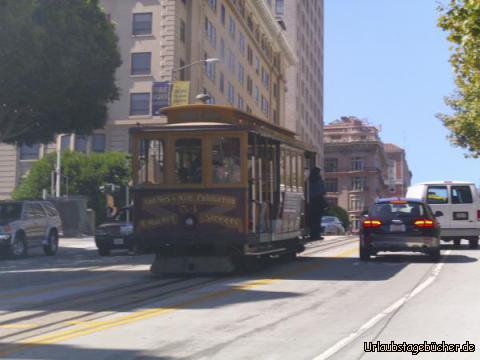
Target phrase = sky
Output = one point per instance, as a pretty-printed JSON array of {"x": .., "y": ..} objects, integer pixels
[{"x": 387, "y": 61}]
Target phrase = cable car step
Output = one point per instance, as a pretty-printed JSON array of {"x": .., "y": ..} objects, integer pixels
[{"x": 265, "y": 252}]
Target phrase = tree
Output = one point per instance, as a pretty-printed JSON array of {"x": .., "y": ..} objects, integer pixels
[
  {"x": 85, "y": 173},
  {"x": 340, "y": 213},
  {"x": 461, "y": 19},
  {"x": 57, "y": 71}
]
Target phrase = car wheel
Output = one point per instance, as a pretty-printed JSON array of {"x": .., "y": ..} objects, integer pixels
[
  {"x": 104, "y": 251},
  {"x": 473, "y": 243},
  {"x": 52, "y": 244},
  {"x": 18, "y": 248},
  {"x": 364, "y": 253},
  {"x": 456, "y": 242},
  {"x": 435, "y": 254}
]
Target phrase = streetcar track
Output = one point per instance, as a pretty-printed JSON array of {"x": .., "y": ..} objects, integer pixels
[{"x": 105, "y": 311}]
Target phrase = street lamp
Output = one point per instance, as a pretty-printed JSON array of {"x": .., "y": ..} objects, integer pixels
[
  {"x": 209, "y": 60},
  {"x": 58, "y": 166}
]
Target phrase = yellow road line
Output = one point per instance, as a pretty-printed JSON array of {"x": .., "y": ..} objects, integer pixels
[{"x": 85, "y": 328}]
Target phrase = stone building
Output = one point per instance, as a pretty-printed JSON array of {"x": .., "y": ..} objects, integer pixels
[
  {"x": 355, "y": 166},
  {"x": 156, "y": 37},
  {"x": 399, "y": 175},
  {"x": 303, "y": 21}
]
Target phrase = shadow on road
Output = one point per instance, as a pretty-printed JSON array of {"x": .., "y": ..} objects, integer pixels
[{"x": 64, "y": 351}]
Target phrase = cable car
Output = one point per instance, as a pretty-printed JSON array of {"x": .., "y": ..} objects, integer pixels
[{"x": 216, "y": 188}]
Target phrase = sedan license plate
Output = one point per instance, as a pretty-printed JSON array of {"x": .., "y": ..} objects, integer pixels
[
  {"x": 118, "y": 241},
  {"x": 397, "y": 228}
]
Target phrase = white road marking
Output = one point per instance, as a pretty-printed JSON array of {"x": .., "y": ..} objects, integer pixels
[{"x": 374, "y": 320}]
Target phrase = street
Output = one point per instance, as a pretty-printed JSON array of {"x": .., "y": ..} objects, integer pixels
[{"x": 325, "y": 304}]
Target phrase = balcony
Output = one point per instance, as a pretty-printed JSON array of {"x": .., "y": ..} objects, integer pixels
[{"x": 349, "y": 171}]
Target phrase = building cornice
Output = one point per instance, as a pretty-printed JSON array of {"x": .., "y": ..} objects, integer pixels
[{"x": 274, "y": 30}]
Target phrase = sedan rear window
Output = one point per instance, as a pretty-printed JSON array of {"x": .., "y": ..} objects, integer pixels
[
  {"x": 395, "y": 209},
  {"x": 10, "y": 211}
]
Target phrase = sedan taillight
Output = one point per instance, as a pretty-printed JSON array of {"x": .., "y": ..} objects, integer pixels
[
  {"x": 424, "y": 223},
  {"x": 371, "y": 224}
]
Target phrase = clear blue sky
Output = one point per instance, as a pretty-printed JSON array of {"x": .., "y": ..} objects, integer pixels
[{"x": 387, "y": 61}]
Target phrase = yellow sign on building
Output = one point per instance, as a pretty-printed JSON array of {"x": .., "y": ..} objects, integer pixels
[{"x": 180, "y": 93}]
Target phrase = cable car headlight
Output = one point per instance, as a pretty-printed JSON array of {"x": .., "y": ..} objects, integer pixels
[{"x": 189, "y": 221}]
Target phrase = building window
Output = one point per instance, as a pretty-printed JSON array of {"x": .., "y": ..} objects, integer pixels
[
  {"x": 275, "y": 90},
  {"x": 331, "y": 165},
  {"x": 211, "y": 32},
  {"x": 332, "y": 201},
  {"x": 240, "y": 74},
  {"x": 183, "y": 30},
  {"x": 182, "y": 72},
  {"x": 142, "y": 24},
  {"x": 231, "y": 61},
  {"x": 249, "y": 85},
  {"x": 210, "y": 69},
  {"x": 249, "y": 109},
  {"x": 222, "y": 49},
  {"x": 213, "y": 5},
  {"x": 265, "y": 106},
  {"x": 29, "y": 152},
  {"x": 222, "y": 83},
  {"x": 355, "y": 203},
  {"x": 257, "y": 95},
  {"x": 241, "y": 43},
  {"x": 265, "y": 78},
  {"x": 98, "y": 142},
  {"x": 222, "y": 14},
  {"x": 139, "y": 104},
  {"x": 230, "y": 93},
  {"x": 249, "y": 55},
  {"x": 331, "y": 184},
  {"x": 81, "y": 143},
  {"x": 279, "y": 7},
  {"x": 231, "y": 27},
  {"x": 141, "y": 63},
  {"x": 65, "y": 143},
  {"x": 358, "y": 183},
  {"x": 357, "y": 163},
  {"x": 257, "y": 65},
  {"x": 240, "y": 102}
]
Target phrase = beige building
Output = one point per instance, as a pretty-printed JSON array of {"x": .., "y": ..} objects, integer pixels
[
  {"x": 355, "y": 166},
  {"x": 158, "y": 36},
  {"x": 303, "y": 21},
  {"x": 399, "y": 175}
]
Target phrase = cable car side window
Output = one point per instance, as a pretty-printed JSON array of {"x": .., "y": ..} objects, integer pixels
[
  {"x": 188, "y": 161},
  {"x": 226, "y": 160},
  {"x": 151, "y": 161},
  {"x": 437, "y": 195}
]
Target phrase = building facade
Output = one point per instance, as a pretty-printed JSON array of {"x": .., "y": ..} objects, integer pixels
[
  {"x": 159, "y": 37},
  {"x": 355, "y": 166},
  {"x": 399, "y": 175},
  {"x": 303, "y": 21}
]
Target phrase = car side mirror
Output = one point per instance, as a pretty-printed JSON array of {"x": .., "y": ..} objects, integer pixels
[{"x": 438, "y": 213}]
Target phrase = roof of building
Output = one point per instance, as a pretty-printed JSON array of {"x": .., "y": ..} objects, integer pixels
[{"x": 392, "y": 148}]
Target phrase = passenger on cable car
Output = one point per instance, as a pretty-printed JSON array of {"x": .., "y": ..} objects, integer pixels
[{"x": 317, "y": 203}]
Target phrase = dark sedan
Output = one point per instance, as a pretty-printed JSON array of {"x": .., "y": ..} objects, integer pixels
[
  {"x": 116, "y": 234},
  {"x": 400, "y": 224}
]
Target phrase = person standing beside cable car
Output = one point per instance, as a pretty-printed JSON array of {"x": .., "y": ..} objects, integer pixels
[{"x": 317, "y": 203}]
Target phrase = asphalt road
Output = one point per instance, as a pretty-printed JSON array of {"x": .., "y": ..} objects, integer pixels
[{"x": 325, "y": 304}]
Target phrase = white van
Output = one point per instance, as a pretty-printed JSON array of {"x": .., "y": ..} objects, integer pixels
[{"x": 460, "y": 205}]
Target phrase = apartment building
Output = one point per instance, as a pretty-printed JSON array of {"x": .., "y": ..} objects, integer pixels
[
  {"x": 355, "y": 166},
  {"x": 399, "y": 175},
  {"x": 303, "y": 22},
  {"x": 157, "y": 37}
]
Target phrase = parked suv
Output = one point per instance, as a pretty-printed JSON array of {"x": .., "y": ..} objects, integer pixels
[{"x": 28, "y": 224}]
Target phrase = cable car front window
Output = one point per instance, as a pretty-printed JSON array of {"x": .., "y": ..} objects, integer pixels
[
  {"x": 151, "y": 162},
  {"x": 188, "y": 158},
  {"x": 226, "y": 160}
]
